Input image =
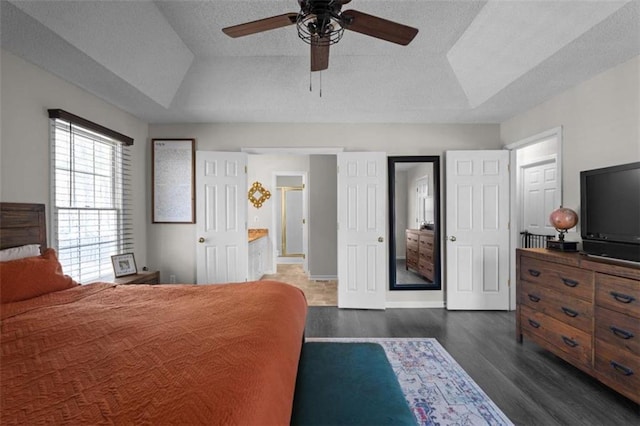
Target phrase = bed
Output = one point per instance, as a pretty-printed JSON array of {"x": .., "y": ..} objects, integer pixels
[{"x": 105, "y": 353}]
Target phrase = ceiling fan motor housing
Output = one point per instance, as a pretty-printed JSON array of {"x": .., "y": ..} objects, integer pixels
[{"x": 320, "y": 22}]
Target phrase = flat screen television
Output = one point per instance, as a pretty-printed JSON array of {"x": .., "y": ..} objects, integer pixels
[{"x": 610, "y": 211}]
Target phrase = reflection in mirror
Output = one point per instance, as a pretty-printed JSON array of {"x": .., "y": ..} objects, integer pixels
[{"x": 414, "y": 225}]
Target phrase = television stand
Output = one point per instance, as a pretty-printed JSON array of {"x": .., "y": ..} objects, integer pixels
[{"x": 585, "y": 310}]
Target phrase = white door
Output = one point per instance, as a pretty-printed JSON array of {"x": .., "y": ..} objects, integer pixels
[
  {"x": 221, "y": 217},
  {"x": 362, "y": 221},
  {"x": 477, "y": 237},
  {"x": 540, "y": 196},
  {"x": 423, "y": 202}
]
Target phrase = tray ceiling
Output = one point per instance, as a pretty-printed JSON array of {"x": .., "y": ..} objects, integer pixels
[{"x": 471, "y": 62}]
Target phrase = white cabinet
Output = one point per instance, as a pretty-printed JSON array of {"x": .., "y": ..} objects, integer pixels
[{"x": 258, "y": 257}]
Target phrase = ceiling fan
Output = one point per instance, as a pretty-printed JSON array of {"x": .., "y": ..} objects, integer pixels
[{"x": 321, "y": 23}]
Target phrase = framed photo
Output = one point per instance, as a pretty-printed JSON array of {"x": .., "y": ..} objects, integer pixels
[
  {"x": 123, "y": 265},
  {"x": 173, "y": 180}
]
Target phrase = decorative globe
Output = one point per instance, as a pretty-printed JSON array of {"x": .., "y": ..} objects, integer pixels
[{"x": 563, "y": 218}]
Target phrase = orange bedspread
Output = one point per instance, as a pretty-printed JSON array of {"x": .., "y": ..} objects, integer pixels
[{"x": 187, "y": 354}]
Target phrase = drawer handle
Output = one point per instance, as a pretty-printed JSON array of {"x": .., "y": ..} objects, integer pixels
[
  {"x": 623, "y": 298},
  {"x": 621, "y": 368},
  {"x": 534, "y": 273},
  {"x": 534, "y": 298},
  {"x": 569, "y": 312},
  {"x": 534, "y": 324},
  {"x": 623, "y": 334},
  {"x": 569, "y": 283},
  {"x": 569, "y": 342}
]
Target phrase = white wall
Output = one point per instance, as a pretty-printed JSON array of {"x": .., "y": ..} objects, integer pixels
[
  {"x": 175, "y": 244},
  {"x": 323, "y": 217},
  {"x": 538, "y": 151},
  {"x": 261, "y": 168},
  {"x": 600, "y": 121},
  {"x": 26, "y": 93}
]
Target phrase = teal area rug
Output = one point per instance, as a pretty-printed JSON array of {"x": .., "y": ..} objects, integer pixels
[{"x": 438, "y": 390}]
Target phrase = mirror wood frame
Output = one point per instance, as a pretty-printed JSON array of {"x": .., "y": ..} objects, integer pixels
[{"x": 391, "y": 172}]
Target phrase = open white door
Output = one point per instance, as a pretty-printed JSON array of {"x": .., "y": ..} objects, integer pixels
[
  {"x": 221, "y": 217},
  {"x": 362, "y": 246},
  {"x": 477, "y": 211}
]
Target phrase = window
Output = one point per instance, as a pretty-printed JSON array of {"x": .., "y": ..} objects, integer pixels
[{"x": 90, "y": 214}]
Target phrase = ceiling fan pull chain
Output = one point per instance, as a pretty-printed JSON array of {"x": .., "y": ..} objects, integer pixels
[
  {"x": 320, "y": 83},
  {"x": 310, "y": 82}
]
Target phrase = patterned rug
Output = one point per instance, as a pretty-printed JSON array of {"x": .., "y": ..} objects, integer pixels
[{"x": 437, "y": 389}]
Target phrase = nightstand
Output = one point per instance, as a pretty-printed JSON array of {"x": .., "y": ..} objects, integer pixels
[{"x": 146, "y": 277}]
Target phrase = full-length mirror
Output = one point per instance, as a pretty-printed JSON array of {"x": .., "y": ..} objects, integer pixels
[{"x": 414, "y": 223}]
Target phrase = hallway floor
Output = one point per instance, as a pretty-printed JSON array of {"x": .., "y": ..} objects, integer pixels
[{"x": 318, "y": 293}]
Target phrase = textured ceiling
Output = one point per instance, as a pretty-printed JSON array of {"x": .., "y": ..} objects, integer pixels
[{"x": 471, "y": 62}]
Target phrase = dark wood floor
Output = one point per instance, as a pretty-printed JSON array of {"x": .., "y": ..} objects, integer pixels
[{"x": 530, "y": 385}]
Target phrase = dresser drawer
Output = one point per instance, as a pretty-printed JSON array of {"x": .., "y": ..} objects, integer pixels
[
  {"x": 619, "y": 367},
  {"x": 426, "y": 255},
  {"x": 412, "y": 237},
  {"x": 618, "y": 330},
  {"x": 618, "y": 294},
  {"x": 426, "y": 242},
  {"x": 412, "y": 254},
  {"x": 412, "y": 259},
  {"x": 571, "y": 341},
  {"x": 425, "y": 268},
  {"x": 575, "y": 312},
  {"x": 571, "y": 281}
]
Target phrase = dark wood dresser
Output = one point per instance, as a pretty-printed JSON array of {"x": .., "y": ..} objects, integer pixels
[
  {"x": 419, "y": 252},
  {"x": 584, "y": 310}
]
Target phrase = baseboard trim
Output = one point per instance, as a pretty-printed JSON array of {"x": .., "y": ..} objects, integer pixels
[
  {"x": 323, "y": 277},
  {"x": 415, "y": 304}
]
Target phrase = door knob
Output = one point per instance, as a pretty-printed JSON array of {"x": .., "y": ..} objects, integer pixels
[
  {"x": 201, "y": 240},
  {"x": 380, "y": 239},
  {"x": 452, "y": 238}
]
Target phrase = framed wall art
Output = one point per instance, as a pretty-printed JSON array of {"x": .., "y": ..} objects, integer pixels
[{"x": 173, "y": 180}]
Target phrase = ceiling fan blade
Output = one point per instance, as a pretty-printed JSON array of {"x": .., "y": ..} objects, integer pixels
[
  {"x": 378, "y": 27},
  {"x": 319, "y": 56},
  {"x": 261, "y": 25}
]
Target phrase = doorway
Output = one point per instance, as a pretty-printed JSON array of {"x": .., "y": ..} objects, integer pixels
[
  {"x": 336, "y": 240},
  {"x": 537, "y": 190},
  {"x": 304, "y": 182},
  {"x": 289, "y": 220}
]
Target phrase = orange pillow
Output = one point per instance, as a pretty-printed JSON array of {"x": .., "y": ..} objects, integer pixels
[{"x": 23, "y": 279}]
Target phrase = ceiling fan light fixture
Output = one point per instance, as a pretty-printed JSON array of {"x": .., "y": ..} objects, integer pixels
[
  {"x": 321, "y": 23},
  {"x": 318, "y": 31}
]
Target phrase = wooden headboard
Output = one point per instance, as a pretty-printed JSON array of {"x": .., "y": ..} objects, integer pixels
[{"x": 22, "y": 223}]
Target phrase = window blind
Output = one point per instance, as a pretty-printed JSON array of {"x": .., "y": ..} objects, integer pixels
[{"x": 91, "y": 198}]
